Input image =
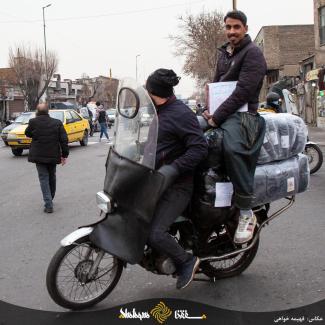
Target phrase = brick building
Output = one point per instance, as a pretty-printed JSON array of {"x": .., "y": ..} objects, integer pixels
[{"x": 284, "y": 47}]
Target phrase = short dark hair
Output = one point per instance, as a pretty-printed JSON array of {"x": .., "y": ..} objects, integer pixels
[
  {"x": 236, "y": 14},
  {"x": 97, "y": 103}
]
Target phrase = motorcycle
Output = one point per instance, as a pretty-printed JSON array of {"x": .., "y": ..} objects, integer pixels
[{"x": 89, "y": 263}]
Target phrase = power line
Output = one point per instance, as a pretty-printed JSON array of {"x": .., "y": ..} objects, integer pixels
[{"x": 104, "y": 15}]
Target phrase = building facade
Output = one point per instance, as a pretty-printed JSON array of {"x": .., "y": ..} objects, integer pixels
[
  {"x": 79, "y": 92},
  {"x": 284, "y": 47}
]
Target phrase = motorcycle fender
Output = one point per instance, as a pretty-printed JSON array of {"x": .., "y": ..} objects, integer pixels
[
  {"x": 79, "y": 233},
  {"x": 310, "y": 142}
]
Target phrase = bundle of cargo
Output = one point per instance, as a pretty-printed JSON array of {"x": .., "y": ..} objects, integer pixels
[{"x": 281, "y": 171}]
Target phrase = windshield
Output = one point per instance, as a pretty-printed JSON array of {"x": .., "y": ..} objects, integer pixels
[
  {"x": 24, "y": 118},
  {"x": 137, "y": 124},
  {"x": 58, "y": 115}
]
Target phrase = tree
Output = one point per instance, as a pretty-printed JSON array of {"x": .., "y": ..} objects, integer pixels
[
  {"x": 32, "y": 72},
  {"x": 198, "y": 42}
]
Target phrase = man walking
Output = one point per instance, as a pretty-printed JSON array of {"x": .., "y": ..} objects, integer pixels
[
  {"x": 49, "y": 147},
  {"x": 102, "y": 120},
  {"x": 242, "y": 61}
]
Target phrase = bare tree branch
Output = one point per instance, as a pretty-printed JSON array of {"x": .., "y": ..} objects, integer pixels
[
  {"x": 32, "y": 75},
  {"x": 198, "y": 41}
]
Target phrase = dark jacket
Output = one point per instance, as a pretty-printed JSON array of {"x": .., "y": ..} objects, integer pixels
[
  {"x": 247, "y": 66},
  {"x": 180, "y": 138},
  {"x": 49, "y": 140}
]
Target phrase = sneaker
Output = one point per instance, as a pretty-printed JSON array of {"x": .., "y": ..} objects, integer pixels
[
  {"x": 186, "y": 272},
  {"x": 48, "y": 210},
  {"x": 245, "y": 229}
]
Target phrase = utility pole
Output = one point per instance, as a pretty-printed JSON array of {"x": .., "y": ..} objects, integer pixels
[
  {"x": 136, "y": 66},
  {"x": 234, "y": 4},
  {"x": 45, "y": 46}
]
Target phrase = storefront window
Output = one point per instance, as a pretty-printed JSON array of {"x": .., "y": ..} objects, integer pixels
[{"x": 322, "y": 25}]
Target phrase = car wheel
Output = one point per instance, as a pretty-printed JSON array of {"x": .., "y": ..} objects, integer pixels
[
  {"x": 84, "y": 140},
  {"x": 17, "y": 151}
]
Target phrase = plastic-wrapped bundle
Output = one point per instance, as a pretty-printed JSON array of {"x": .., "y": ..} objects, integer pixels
[
  {"x": 285, "y": 137},
  {"x": 281, "y": 179},
  {"x": 214, "y": 138}
]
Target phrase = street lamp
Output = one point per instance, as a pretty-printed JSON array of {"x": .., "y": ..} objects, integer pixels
[
  {"x": 136, "y": 66},
  {"x": 45, "y": 43},
  {"x": 234, "y": 4}
]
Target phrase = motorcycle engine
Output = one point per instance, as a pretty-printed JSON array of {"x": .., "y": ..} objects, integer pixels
[{"x": 165, "y": 265}]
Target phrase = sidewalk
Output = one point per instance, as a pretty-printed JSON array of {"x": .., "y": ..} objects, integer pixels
[{"x": 317, "y": 135}]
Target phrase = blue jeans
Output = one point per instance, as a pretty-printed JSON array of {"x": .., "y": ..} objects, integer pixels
[
  {"x": 103, "y": 130},
  {"x": 47, "y": 179}
]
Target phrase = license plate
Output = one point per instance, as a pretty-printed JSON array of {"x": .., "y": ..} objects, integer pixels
[{"x": 24, "y": 141}]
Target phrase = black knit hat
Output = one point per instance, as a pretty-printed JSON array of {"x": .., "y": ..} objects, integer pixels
[{"x": 161, "y": 82}]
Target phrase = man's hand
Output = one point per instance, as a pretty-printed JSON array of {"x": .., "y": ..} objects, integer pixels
[
  {"x": 63, "y": 161},
  {"x": 207, "y": 115},
  {"x": 212, "y": 123}
]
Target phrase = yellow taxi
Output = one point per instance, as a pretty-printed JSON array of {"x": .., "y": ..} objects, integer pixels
[{"x": 76, "y": 126}]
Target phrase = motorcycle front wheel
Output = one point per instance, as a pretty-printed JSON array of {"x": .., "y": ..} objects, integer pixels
[
  {"x": 73, "y": 280},
  {"x": 315, "y": 157}
]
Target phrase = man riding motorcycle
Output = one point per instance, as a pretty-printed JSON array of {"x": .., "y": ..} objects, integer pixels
[{"x": 180, "y": 148}]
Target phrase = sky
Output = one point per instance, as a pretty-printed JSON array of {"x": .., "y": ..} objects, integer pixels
[{"x": 94, "y": 36}]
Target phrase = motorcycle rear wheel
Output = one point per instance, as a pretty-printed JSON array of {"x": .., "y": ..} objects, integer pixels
[
  {"x": 67, "y": 281},
  {"x": 230, "y": 267}
]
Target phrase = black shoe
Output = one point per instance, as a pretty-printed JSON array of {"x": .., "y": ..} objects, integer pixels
[
  {"x": 48, "y": 210},
  {"x": 186, "y": 272}
]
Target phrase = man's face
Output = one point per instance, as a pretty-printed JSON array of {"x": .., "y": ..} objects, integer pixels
[{"x": 235, "y": 30}]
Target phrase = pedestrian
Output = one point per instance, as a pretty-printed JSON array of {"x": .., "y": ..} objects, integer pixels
[
  {"x": 49, "y": 147},
  {"x": 242, "y": 61},
  {"x": 102, "y": 120},
  {"x": 90, "y": 120}
]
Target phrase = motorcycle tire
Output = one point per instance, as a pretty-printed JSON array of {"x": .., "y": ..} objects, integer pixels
[
  {"x": 314, "y": 148},
  {"x": 52, "y": 277},
  {"x": 237, "y": 268}
]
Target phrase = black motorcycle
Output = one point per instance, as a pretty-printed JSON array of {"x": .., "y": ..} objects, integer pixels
[{"x": 90, "y": 261}]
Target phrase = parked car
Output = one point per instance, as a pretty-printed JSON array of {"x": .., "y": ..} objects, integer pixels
[
  {"x": 76, "y": 126},
  {"x": 18, "y": 121},
  {"x": 111, "y": 113}
]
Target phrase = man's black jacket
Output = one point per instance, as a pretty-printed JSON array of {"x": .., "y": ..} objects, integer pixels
[
  {"x": 180, "y": 139},
  {"x": 247, "y": 66},
  {"x": 49, "y": 140}
]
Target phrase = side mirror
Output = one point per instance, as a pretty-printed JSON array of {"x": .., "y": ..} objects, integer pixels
[{"x": 128, "y": 103}]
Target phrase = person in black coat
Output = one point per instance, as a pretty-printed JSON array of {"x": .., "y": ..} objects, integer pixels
[
  {"x": 242, "y": 61},
  {"x": 181, "y": 146},
  {"x": 49, "y": 147}
]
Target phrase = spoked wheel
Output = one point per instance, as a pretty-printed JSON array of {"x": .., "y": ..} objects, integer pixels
[
  {"x": 231, "y": 266},
  {"x": 315, "y": 157},
  {"x": 73, "y": 280}
]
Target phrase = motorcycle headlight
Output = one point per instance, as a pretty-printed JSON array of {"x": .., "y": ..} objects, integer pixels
[{"x": 104, "y": 202}]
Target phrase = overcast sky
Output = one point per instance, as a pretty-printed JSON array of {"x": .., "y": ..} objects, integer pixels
[{"x": 93, "y": 36}]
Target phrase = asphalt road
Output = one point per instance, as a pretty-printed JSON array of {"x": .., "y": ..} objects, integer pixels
[{"x": 288, "y": 271}]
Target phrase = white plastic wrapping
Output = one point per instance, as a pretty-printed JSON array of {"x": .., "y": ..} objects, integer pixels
[
  {"x": 280, "y": 179},
  {"x": 285, "y": 137}
]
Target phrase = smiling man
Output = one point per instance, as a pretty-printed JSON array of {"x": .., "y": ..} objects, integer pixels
[{"x": 242, "y": 61}]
